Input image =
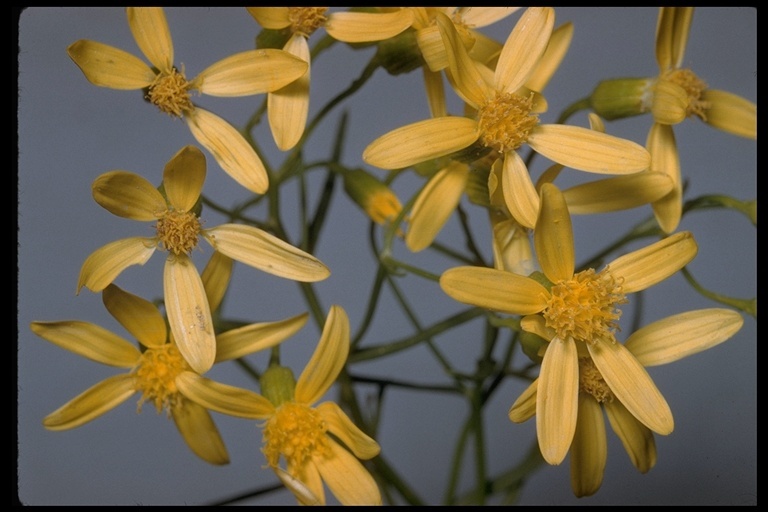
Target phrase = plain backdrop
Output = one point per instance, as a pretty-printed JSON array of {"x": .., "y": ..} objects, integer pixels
[{"x": 70, "y": 131}]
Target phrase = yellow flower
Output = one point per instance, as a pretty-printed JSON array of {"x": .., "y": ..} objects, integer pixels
[
  {"x": 153, "y": 370},
  {"x": 288, "y": 107},
  {"x": 242, "y": 74},
  {"x": 577, "y": 314},
  {"x": 178, "y": 229},
  {"x": 661, "y": 342},
  {"x": 505, "y": 120},
  {"x": 298, "y": 431}
]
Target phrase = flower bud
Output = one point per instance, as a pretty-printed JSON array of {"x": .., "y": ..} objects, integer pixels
[
  {"x": 622, "y": 97},
  {"x": 277, "y": 384},
  {"x": 374, "y": 197}
]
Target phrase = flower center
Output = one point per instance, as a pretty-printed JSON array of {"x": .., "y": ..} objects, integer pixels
[
  {"x": 178, "y": 231},
  {"x": 584, "y": 308},
  {"x": 155, "y": 376},
  {"x": 170, "y": 92},
  {"x": 298, "y": 433},
  {"x": 305, "y": 20},
  {"x": 591, "y": 381},
  {"x": 506, "y": 121},
  {"x": 693, "y": 86}
]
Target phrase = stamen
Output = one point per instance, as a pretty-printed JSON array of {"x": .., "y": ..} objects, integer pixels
[
  {"x": 170, "y": 92},
  {"x": 296, "y": 432},
  {"x": 694, "y": 87},
  {"x": 155, "y": 376},
  {"x": 506, "y": 121},
  {"x": 305, "y": 20},
  {"x": 178, "y": 231},
  {"x": 591, "y": 381}
]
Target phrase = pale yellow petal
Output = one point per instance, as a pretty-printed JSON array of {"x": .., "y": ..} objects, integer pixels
[
  {"x": 670, "y": 103},
  {"x": 183, "y": 178},
  {"x": 288, "y": 107},
  {"x": 664, "y": 158},
  {"x": 327, "y": 360},
  {"x": 339, "y": 424},
  {"x": 683, "y": 335},
  {"x": 524, "y": 47},
  {"x": 524, "y": 407},
  {"x": 511, "y": 246},
  {"x": 89, "y": 340},
  {"x": 672, "y": 30},
  {"x": 435, "y": 204},
  {"x": 107, "y": 66},
  {"x": 484, "y": 16},
  {"x": 553, "y": 236},
  {"x": 589, "y": 451},
  {"x": 140, "y": 317},
  {"x": 421, "y": 141},
  {"x": 233, "y": 153},
  {"x": 520, "y": 195},
  {"x": 200, "y": 432},
  {"x": 150, "y": 30},
  {"x": 259, "y": 249},
  {"x": 361, "y": 27},
  {"x": 557, "y": 400},
  {"x": 216, "y": 276},
  {"x": 618, "y": 193},
  {"x": 310, "y": 478},
  {"x": 558, "y": 46},
  {"x": 251, "y": 72},
  {"x": 188, "y": 313},
  {"x": 587, "y": 150},
  {"x": 632, "y": 385},
  {"x": 494, "y": 289},
  {"x": 536, "y": 324},
  {"x": 467, "y": 80},
  {"x": 254, "y": 337},
  {"x": 128, "y": 195},
  {"x": 485, "y": 50},
  {"x": 300, "y": 490},
  {"x": 271, "y": 17},
  {"x": 433, "y": 84},
  {"x": 107, "y": 262},
  {"x": 91, "y": 403},
  {"x": 730, "y": 113},
  {"x": 645, "y": 267},
  {"x": 432, "y": 48},
  {"x": 224, "y": 398},
  {"x": 637, "y": 439},
  {"x": 347, "y": 478}
]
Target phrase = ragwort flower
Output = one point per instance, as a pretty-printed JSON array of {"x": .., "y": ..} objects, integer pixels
[
  {"x": 178, "y": 230},
  {"x": 577, "y": 314},
  {"x": 242, "y": 74},
  {"x": 306, "y": 436}
]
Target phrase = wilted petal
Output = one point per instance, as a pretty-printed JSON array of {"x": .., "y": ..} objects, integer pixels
[
  {"x": 300, "y": 490},
  {"x": 271, "y": 17},
  {"x": 557, "y": 400},
  {"x": 670, "y": 103},
  {"x": 553, "y": 56},
  {"x": 150, "y": 30},
  {"x": 266, "y": 252},
  {"x": 672, "y": 30},
  {"x": 361, "y": 27},
  {"x": 524, "y": 407},
  {"x": 520, "y": 195},
  {"x": 231, "y": 150},
  {"x": 224, "y": 398},
  {"x": 107, "y": 66},
  {"x": 637, "y": 439},
  {"x": 494, "y": 289},
  {"x": 524, "y": 47},
  {"x": 683, "y": 335},
  {"x": 618, "y": 193},
  {"x": 89, "y": 340},
  {"x": 327, "y": 360},
  {"x": 183, "y": 178},
  {"x": 645, "y": 267},
  {"x": 730, "y": 113},
  {"x": 199, "y": 431},
  {"x": 664, "y": 158},
  {"x": 216, "y": 276},
  {"x": 128, "y": 195},
  {"x": 467, "y": 80},
  {"x": 254, "y": 337},
  {"x": 347, "y": 432},
  {"x": 589, "y": 451},
  {"x": 347, "y": 478},
  {"x": 553, "y": 236},
  {"x": 92, "y": 403},
  {"x": 288, "y": 107},
  {"x": 107, "y": 262},
  {"x": 139, "y": 317}
]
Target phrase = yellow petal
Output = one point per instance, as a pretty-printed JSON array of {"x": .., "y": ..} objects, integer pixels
[
  {"x": 557, "y": 400},
  {"x": 484, "y": 16},
  {"x": 731, "y": 113},
  {"x": 188, "y": 313},
  {"x": 435, "y": 204},
  {"x": 310, "y": 479},
  {"x": 128, "y": 195},
  {"x": 524, "y": 407},
  {"x": 588, "y": 150},
  {"x": 300, "y": 490},
  {"x": 520, "y": 195},
  {"x": 339, "y": 424},
  {"x": 589, "y": 451},
  {"x": 183, "y": 178},
  {"x": 511, "y": 246},
  {"x": 150, "y": 30},
  {"x": 558, "y": 46},
  {"x": 664, "y": 158},
  {"x": 672, "y": 30},
  {"x": 494, "y": 289},
  {"x": 421, "y": 141},
  {"x": 553, "y": 236},
  {"x": 645, "y": 267},
  {"x": 347, "y": 478},
  {"x": 637, "y": 439},
  {"x": 107, "y": 262},
  {"x": 524, "y": 47},
  {"x": 216, "y": 276},
  {"x": 199, "y": 431},
  {"x": 266, "y": 252},
  {"x": 107, "y": 66},
  {"x": 618, "y": 193},
  {"x": 251, "y": 72},
  {"x": 361, "y": 27},
  {"x": 139, "y": 317},
  {"x": 254, "y": 337},
  {"x": 632, "y": 385},
  {"x": 670, "y": 103},
  {"x": 91, "y": 403},
  {"x": 230, "y": 149},
  {"x": 327, "y": 360},
  {"x": 271, "y": 17},
  {"x": 467, "y": 80},
  {"x": 288, "y": 107},
  {"x": 683, "y": 335},
  {"x": 224, "y": 398},
  {"x": 432, "y": 48},
  {"x": 536, "y": 324},
  {"x": 89, "y": 340},
  {"x": 433, "y": 84}
]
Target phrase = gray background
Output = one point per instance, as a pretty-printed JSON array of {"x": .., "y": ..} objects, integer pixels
[{"x": 71, "y": 131}]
